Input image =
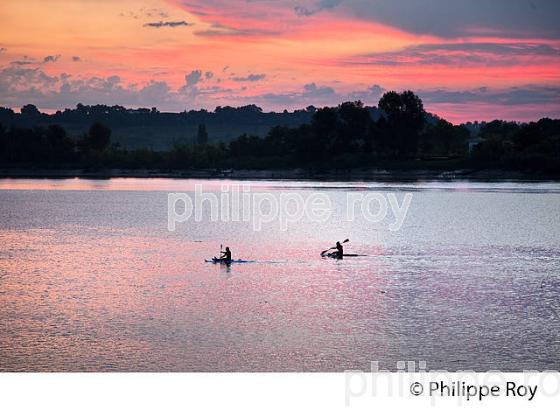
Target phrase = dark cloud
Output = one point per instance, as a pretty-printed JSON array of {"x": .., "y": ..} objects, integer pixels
[
  {"x": 145, "y": 13},
  {"x": 22, "y": 85},
  {"x": 220, "y": 30},
  {"x": 51, "y": 59},
  {"x": 462, "y": 54},
  {"x": 21, "y": 62},
  {"x": 529, "y": 94},
  {"x": 76, "y": 58},
  {"x": 2, "y": 49},
  {"x": 311, "y": 94},
  {"x": 373, "y": 93},
  {"x": 25, "y": 60},
  {"x": 303, "y": 11},
  {"x": 194, "y": 88},
  {"x": 250, "y": 78},
  {"x": 316, "y": 8},
  {"x": 15, "y": 79},
  {"x": 445, "y": 18},
  {"x": 233, "y": 33},
  {"x": 172, "y": 24},
  {"x": 311, "y": 90},
  {"x": 193, "y": 78},
  {"x": 156, "y": 13}
]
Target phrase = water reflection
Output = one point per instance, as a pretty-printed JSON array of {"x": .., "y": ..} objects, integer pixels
[
  {"x": 180, "y": 185},
  {"x": 92, "y": 280}
]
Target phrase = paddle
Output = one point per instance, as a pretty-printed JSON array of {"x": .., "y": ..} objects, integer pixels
[
  {"x": 220, "y": 255},
  {"x": 334, "y": 247}
]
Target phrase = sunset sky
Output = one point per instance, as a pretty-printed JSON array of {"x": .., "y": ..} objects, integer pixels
[{"x": 467, "y": 59}]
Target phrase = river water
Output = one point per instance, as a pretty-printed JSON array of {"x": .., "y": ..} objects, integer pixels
[{"x": 92, "y": 279}]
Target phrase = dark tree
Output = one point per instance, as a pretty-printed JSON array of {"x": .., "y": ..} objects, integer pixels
[
  {"x": 503, "y": 129},
  {"x": 354, "y": 125},
  {"x": 280, "y": 142},
  {"x": 60, "y": 147},
  {"x": 405, "y": 119},
  {"x": 3, "y": 141},
  {"x": 444, "y": 139},
  {"x": 55, "y": 134},
  {"x": 247, "y": 146},
  {"x": 99, "y": 137},
  {"x": 323, "y": 136},
  {"x": 202, "y": 135},
  {"x": 30, "y": 110}
]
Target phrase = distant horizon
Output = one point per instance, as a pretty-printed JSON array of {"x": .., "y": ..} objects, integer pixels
[{"x": 472, "y": 61}]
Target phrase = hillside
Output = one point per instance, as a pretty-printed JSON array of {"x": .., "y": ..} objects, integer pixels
[{"x": 149, "y": 128}]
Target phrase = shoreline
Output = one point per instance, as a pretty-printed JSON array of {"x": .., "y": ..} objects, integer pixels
[{"x": 487, "y": 175}]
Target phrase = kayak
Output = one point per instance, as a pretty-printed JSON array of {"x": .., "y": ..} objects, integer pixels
[
  {"x": 334, "y": 255},
  {"x": 225, "y": 262}
]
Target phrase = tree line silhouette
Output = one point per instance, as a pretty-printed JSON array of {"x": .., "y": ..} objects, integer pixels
[
  {"x": 145, "y": 127},
  {"x": 343, "y": 137}
]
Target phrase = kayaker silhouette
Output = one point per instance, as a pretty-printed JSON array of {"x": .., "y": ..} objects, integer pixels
[
  {"x": 226, "y": 255},
  {"x": 339, "y": 250},
  {"x": 339, "y": 254}
]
